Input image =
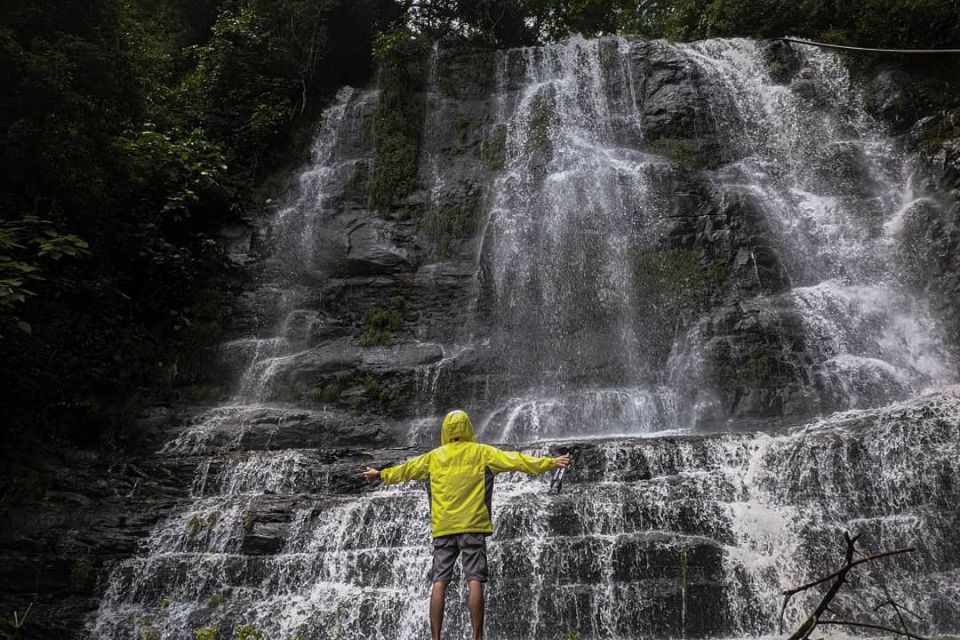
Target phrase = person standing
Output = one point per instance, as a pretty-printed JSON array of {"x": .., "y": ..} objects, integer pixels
[{"x": 460, "y": 473}]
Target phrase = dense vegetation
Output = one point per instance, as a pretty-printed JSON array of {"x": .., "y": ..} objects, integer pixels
[{"x": 132, "y": 130}]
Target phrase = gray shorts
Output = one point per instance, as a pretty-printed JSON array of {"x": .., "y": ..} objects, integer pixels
[{"x": 474, "y": 560}]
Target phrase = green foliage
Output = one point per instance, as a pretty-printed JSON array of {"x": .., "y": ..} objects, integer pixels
[
  {"x": 674, "y": 283},
  {"x": 247, "y": 632},
  {"x": 13, "y": 625},
  {"x": 538, "y": 122},
  {"x": 680, "y": 151},
  {"x": 207, "y": 633},
  {"x": 206, "y": 393},
  {"x": 494, "y": 149},
  {"x": 148, "y": 631},
  {"x": 380, "y": 323},
  {"x": 940, "y": 128},
  {"x": 176, "y": 171},
  {"x": 453, "y": 221},
  {"x": 215, "y": 600},
  {"x": 198, "y": 524},
  {"x": 28, "y": 247},
  {"x": 287, "y": 391},
  {"x": 384, "y": 395},
  {"x": 397, "y": 125}
]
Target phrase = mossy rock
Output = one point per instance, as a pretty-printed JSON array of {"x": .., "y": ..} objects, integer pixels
[
  {"x": 609, "y": 52},
  {"x": 675, "y": 282},
  {"x": 397, "y": 126},
  {"x": 82, "y": 575},
  {"x": 466, "y": 73},
  {"x": 493, "y": 152},
  {"x": 380, "y": 323},
  {"x": 539, "y": 121},
  {"x": 940, "y": 129},
  {"x": 683, "y": 152},
  {"x": 453, "y": 220},
  {"x": 386, "y": 394}
]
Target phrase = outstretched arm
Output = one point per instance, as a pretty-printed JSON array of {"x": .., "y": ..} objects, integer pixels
[
  {"x": 413, "y": 469},
  {"x": 500, "y": 461}
]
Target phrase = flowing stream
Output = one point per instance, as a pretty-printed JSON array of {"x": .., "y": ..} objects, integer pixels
[{"x": 681, "y": 518}]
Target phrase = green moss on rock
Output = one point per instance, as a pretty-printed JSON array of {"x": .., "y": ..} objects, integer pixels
[
  {"x": 682, "y": 152},
  {"x": 493, "y": 152},
  {"x": 451, "y": 221},
  {"x": 538, "y": 123},
  {"x": 379, "y": 325},
  {"x": 675, "y": 283},
  {"x": 396, "y": 128}
]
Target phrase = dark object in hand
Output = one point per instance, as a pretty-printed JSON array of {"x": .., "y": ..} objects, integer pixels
[{"x": 557, "y": 480}]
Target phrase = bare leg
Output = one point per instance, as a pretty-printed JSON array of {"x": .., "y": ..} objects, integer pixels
[
  {"x": 437, "y": 597},
  {"x": 475, "y": 600}
]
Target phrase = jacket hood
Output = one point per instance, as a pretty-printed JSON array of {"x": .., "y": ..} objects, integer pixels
[{"x": 456, "y": 426}]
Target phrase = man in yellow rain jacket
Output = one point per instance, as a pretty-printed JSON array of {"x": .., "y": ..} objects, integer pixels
[{"x": 460, "y": 473}]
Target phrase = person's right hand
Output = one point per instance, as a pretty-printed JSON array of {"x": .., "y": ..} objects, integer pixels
[
  {"x": 370, "y": 474},
  {"x": 564, "y": 461}
]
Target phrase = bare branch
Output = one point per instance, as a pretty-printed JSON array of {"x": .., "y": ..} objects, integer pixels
[
  {"x": 839, "y": 578},
  {"x": 791, "y": 592},
  {"x": 883, "y": 585}
]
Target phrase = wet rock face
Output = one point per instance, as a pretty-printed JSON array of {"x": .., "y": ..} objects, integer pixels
[{"x": 699, "y": 224}]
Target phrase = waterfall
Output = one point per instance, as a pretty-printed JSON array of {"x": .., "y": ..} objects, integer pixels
[{"x": 688, "y": 272}]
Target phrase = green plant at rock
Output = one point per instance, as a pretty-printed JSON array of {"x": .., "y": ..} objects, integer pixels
[
  {"x": 379, "y": 325},
  {"x": 494, "y": 149},
  {"x": 942, "y": 127},
  {"x": 539, "y": 119},
  {"x": 196, "y": 524},
  {"x": 682, "y": 152},
  {"x": 330, "y": 392},
  {"x": 453, "y": 221},
  {"x": 148, "y": 631},
  {"x": 397, "y": 125},
  {"x": 357, "y": 404},
  {"x": 247, "y": 632},
  {"x": 215, "y": 600},
  {"x": 82, "y": 575},
  {"x": 207, "y": 633},
  {"x": 670, "y": 287},
  {"x": 14, "y": 625},
  {"x": 385, "y": 395},
  {"x": 674, "y": 283},
  {"x": 166, "y": 603},
  {"x": 206, "y": 393}
]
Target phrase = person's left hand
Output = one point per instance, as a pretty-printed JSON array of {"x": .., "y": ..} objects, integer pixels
[{"x": 370, "y": 474}]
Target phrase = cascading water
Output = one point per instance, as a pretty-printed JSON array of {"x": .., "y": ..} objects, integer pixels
[{"x": 673, "y": 534}]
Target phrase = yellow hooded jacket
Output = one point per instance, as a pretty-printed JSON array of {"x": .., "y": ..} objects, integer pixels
[{"x": 461, "y": 473}]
